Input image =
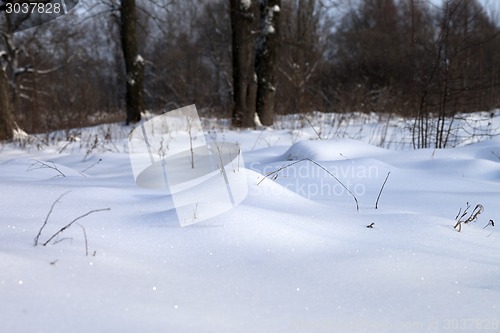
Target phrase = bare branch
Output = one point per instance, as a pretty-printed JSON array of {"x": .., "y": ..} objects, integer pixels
[
  {"x": 42, "y": 165},
  {"x": 381, "y": 189},
  {"x": 71, "y": 223},
  {"x": 86, "y": 242},
  {"x": 48, "y": 215},
  {"x": 276, "y": 172}
]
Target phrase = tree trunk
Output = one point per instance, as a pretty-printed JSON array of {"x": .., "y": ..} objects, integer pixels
[
  {"x": 265, "y": 63},
  {"x": 6, "y": 103},
  {"x": 243, "y": 18},
  {"x": 134, "y": 63},
  {"x": 6, "y": 109}
]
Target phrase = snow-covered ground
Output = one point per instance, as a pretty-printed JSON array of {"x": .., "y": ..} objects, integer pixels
[{"x": 295, "y": 256}]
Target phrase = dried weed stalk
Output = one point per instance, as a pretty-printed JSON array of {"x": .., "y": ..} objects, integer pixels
[
  {"x": 48, "y": 215},
  {"x": 37, "y": 237},
  {"x": 274, "y": 175},
  {"x": 381, "y": 189},
  {"x": 465, "y": 218},
  {"x": 71, "y": 223},
  {"x": 42, "y": 165}
]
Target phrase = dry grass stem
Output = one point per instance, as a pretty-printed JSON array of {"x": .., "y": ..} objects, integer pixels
[
  {"x": 472, "y": 217},
  {"x": 48, "y": 215},
  {"x": 274, "y": 175}
]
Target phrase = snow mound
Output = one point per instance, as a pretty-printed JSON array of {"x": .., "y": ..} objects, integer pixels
[
  {"x": 466, "y": 168},
  {"x": 34, "y": 169},
  {"x": 266, "y": 193},
  {"x": 294, "y": 256},
  {"x": 332, "y": 150}
]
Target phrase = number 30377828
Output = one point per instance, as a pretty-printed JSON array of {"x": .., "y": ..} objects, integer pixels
[{"x": 32, "y": 8}]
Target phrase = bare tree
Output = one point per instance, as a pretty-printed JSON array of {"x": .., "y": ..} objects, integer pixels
[
  {"x": 301, "y": 55},
  {"x": 243, "y": 20},
  {"x": 214, "y": 41},
  {"x": 6, "y": 104},
  {"x": 6, "y": 110},
  {"x": 134, "y": 63},
  {"x": 417, "y": 59},
  {"x": 265, "y": 65}
]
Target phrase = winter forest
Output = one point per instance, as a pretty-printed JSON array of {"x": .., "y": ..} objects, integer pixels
[{"x": 424, "y": 60}]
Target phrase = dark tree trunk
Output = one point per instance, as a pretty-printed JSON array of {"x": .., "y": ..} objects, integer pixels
[
  {"x": 265, "y": 63},
  {"x": 6, "y": 102},
  {"x": 134, "y": 63},
  {"x": 243, "y": 18},
  {"x": 6, "y": 109}
]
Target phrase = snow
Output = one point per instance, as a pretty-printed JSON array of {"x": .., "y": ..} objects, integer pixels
[
  {"x": 268, "y": 22},
  {"x": 294, "y": 256},
  {"x": 20, "y": 135},
  {"x": 245, "y": 4},
  {"x": 139, "y": 59},
  {"x": 270, "y": 29}
]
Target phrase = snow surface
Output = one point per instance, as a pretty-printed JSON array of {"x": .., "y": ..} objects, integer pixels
[{"x": 295, "y": 256}]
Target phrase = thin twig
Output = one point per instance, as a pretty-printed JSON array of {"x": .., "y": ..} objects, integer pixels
[
  {"x": 94, "y": 146},
  {"x": 458, "y": 214},
  {"x": 93, "y": 165},
  {"x": 71, "y": 223},
  {"x": 275, "y": 175},
  {"x": 86, "y": 242},
  {"x": 347, "y": 158},
  {"x": 491, "y": 222},
  {"x": 57, "y": 241},
  {"x": 381, "y": 189},
  {"x": 310, "y": 124},
  {"x": 44, "y": 165},
  {"x": 190, "y": 141},
  {"x": 48, "y": 215}
]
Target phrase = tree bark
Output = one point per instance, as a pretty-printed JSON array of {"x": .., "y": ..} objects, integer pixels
[
  {"x": 6, "y": 119},
  {"x": 134, "y": 63},
  {"x": 243, "y": 18},
  {"x": 6, "y": 103},
  {"x": 265, "y": 63}
]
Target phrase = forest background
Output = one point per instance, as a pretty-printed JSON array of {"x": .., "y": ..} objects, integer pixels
[{"x": 428, "y": 61}]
